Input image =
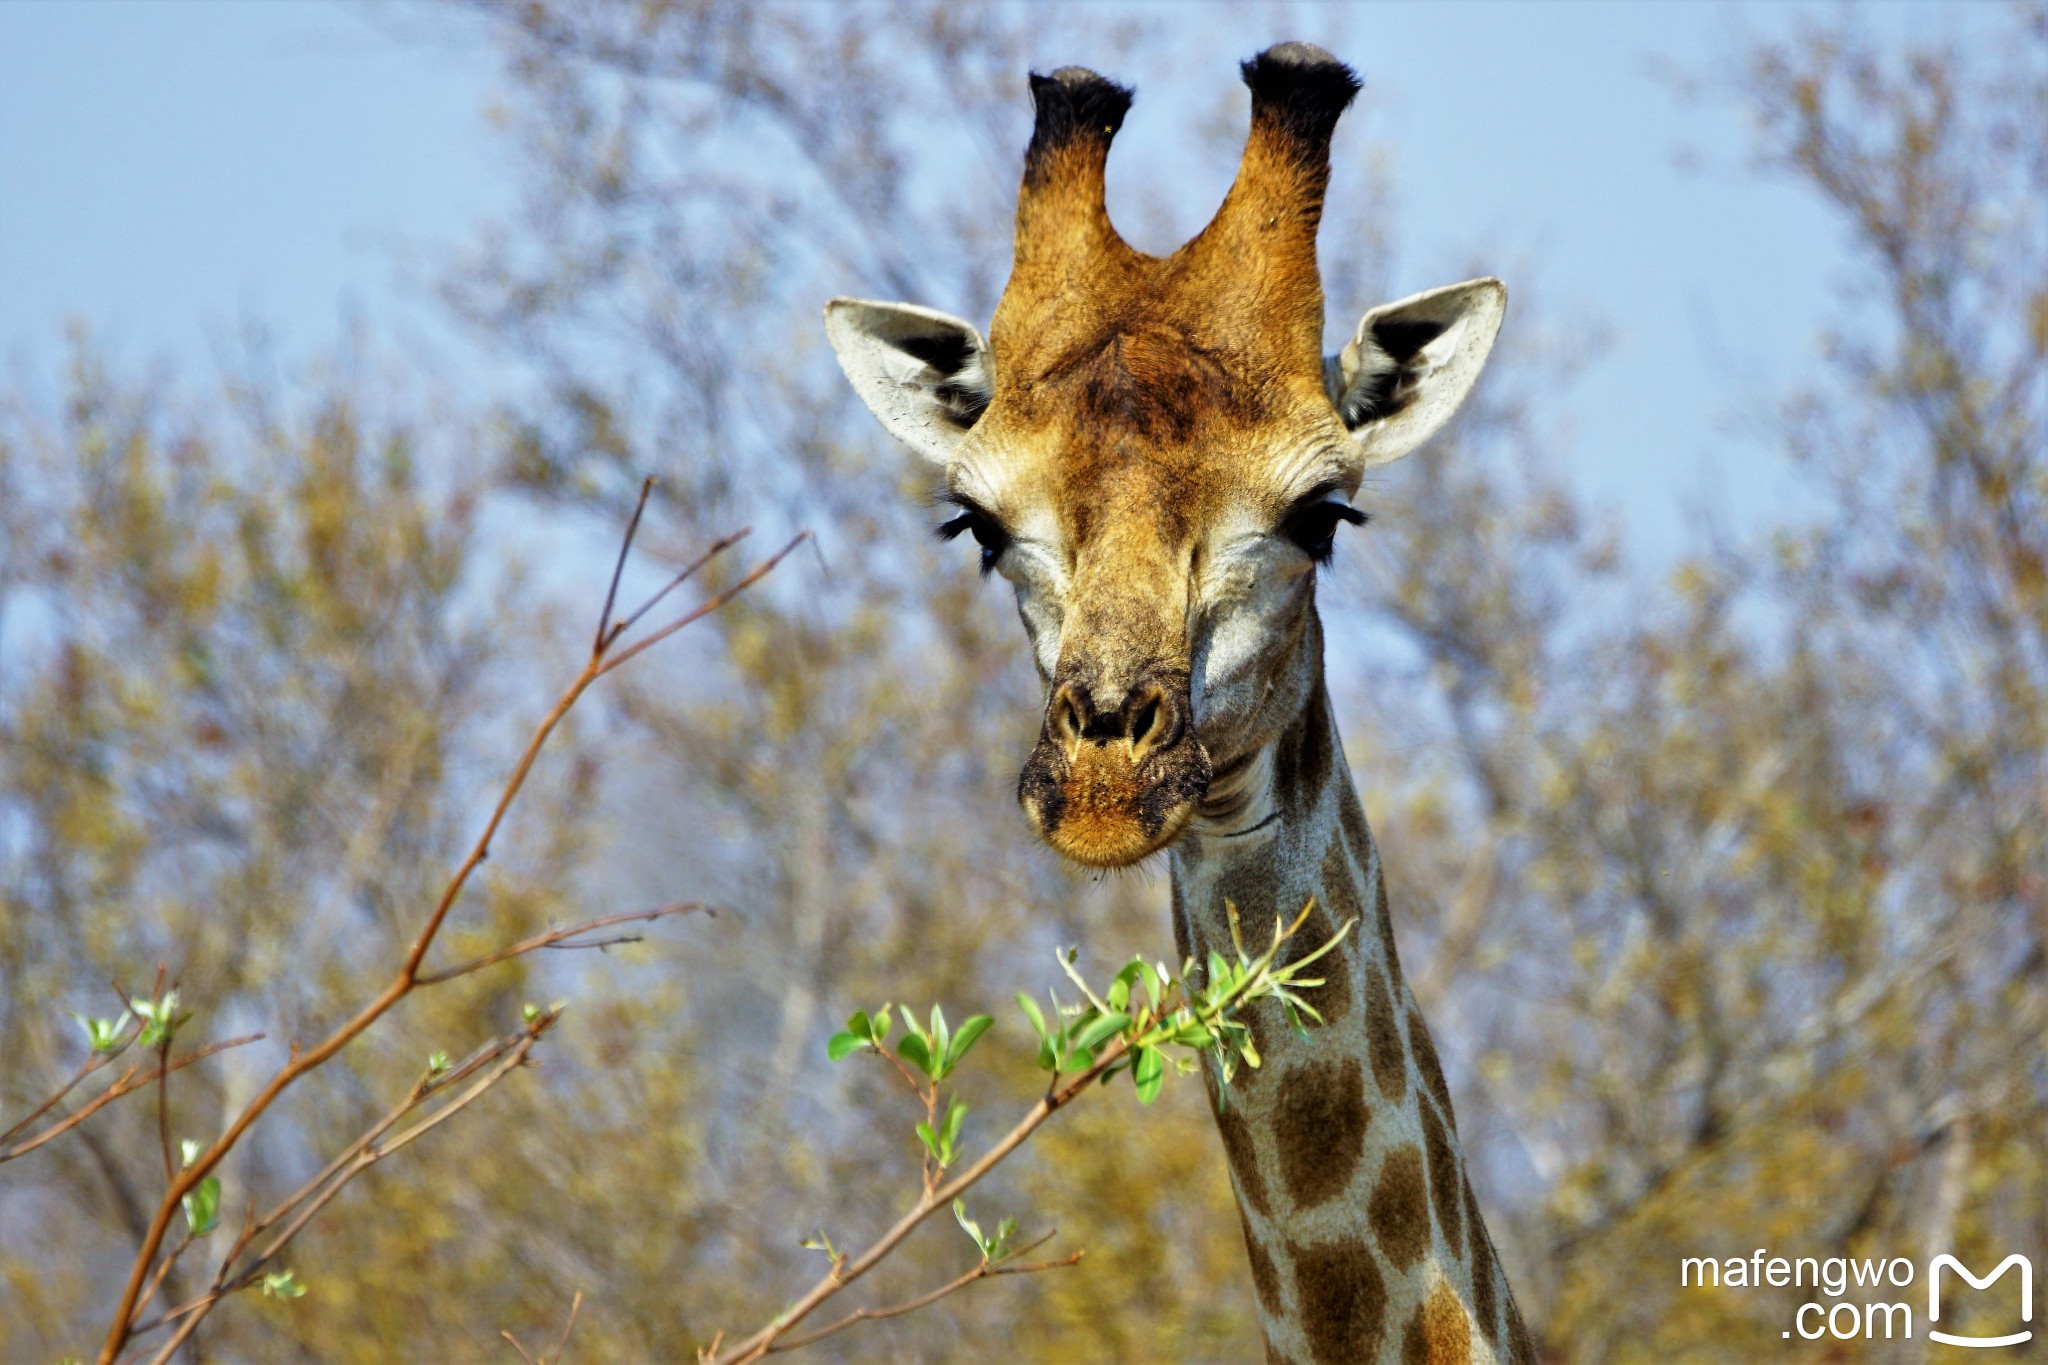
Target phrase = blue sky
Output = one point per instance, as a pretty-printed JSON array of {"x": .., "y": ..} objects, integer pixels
[{"x": 167, "y": 169}]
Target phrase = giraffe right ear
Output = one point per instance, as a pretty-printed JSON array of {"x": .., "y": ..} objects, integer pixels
[
  {"x": 926, "y": 376},
  {"x": 1411, "y": 364}
]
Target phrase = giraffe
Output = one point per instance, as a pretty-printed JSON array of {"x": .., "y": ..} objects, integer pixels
[{"x": 1156, "y": 455}]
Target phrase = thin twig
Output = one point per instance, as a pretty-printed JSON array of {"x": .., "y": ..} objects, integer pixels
[
  {"x": 365, "y": 1155},
  {"x": 127, "y": 1084},
  {"x": 985, "y": 1270},
  {"x": 558, "y": 939},
  {"x": 611, "y": 594},
  {"x": 760, "y": 1344},
  {"x": 93, "y": 1062},
  {"x": 1057, "y": 1096},
  {"x": 402, "y": 984},
  {"x": 682, "y": 576},
  {"x": 709, "y": 605},
  {"x": 562, "y": 1343}
]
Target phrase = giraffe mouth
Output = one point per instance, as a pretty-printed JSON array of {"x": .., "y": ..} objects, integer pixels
[{"x": 1099, "y": 803}]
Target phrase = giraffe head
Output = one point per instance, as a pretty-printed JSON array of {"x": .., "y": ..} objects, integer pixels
[{"x": 1155, "y": 452}]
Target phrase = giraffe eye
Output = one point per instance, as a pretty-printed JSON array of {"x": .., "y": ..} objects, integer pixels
[
  {"x": 1314, "y": 527},
  {"x": 988, "y": 533}
]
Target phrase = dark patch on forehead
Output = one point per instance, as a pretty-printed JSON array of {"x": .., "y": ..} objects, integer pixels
[
  {"x": 1153, "y": 384},
  {"x": 1319, "y": 1126},
  {"x": 1343, "y": 1300}
]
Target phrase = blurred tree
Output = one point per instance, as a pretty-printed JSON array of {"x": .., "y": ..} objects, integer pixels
[
  {"x": 1726, "y": 896},
  {"x": 1742, "y": 888}
]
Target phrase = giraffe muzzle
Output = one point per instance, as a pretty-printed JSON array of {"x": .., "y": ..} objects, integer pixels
[{"x": 1117, "y": 771}]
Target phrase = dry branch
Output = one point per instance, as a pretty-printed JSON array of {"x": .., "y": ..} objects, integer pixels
[
  {"x": 129, "y": 1081},
  {"x": 408, "y": 977}
]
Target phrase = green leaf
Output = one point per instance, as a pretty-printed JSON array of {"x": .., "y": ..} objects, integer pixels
[
  {"x": 1099, "y": 1030},
  {"x": 859, "y": 1025},
  {"x": 843, "y": 1044},
  {"x": 883, "y": 1023},
  {"x": 282, "y": 1284},
  {"x": 970, "y": 1031},
  {"x": 1149, "y": 1073},
  {"x": 202, "y": 1206},
  {"x": 929, "y": 1139},
  {"x": 940, "y": 1039},
  {"x": 160, "y": 1019},
  {"x": 969, "y": 1226},
  {"x": 911, "y": 1047},
  {"x": 956, "y": 1114},
  {"x": 102, "y": 1035}
]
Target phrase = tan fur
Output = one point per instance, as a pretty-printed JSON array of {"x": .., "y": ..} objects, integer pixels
[{"x": 1153, "y": 423}]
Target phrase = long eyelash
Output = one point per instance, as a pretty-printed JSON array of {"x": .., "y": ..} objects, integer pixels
[
  {"x": 1322, "y": 549},
  {"x": 988, "y": 532}
]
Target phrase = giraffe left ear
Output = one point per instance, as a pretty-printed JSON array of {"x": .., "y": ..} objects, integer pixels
[
  {"x": 1412, "y": 363},
  {"x": 924, "y": 374}
]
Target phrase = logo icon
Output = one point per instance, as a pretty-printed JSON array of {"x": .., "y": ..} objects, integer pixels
[{"x": 2026, "y": 1268}]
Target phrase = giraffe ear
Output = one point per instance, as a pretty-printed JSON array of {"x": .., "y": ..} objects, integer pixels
[
  {"x": 1412, "y": 363},
  {"x": 926, "y": 376}
]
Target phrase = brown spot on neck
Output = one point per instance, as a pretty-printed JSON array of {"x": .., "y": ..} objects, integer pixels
[
  {"x": 1342, "y": 1298},
  {"x": 1383, "y": 1037},
  {"x": 1304, "y": 757},
  {"x": 1483, "y": 1305},
  {"x": 1521, "y": 1350},
  {"x": 1438, "y": 1334},
  {"x": 1319, "y": 1123},
  {"x": 1399, "y": 1208},
  {"x": 1445, "y": 1180},
  {"x": 1424, "y": 1048},
  {"x": 1265, "y": 1275},
  {"x": 1243, "y": 1157}
]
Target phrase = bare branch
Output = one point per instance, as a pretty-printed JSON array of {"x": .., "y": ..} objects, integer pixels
[
  {"x": 611, "y": 595},
  {"x": 403, "y": 983},
  {"x": 128, "y": 1083},
  {"x": 710, "y": 605},
  {"x": 561, "y": 939},
  {"x": 688, "y": 571},
  {"x": 495, "y": 1063},
  {"x": 986, "y": 1269},
  {"x": 763, "y": 1341}
]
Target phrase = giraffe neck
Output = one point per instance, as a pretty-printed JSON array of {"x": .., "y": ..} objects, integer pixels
[{"x": 1365, "y": 1241}]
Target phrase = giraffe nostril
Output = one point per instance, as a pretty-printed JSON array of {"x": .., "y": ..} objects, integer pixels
[
  {"x": 1067, "y": 720},
  {"x": 1148, "y": 716}
]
